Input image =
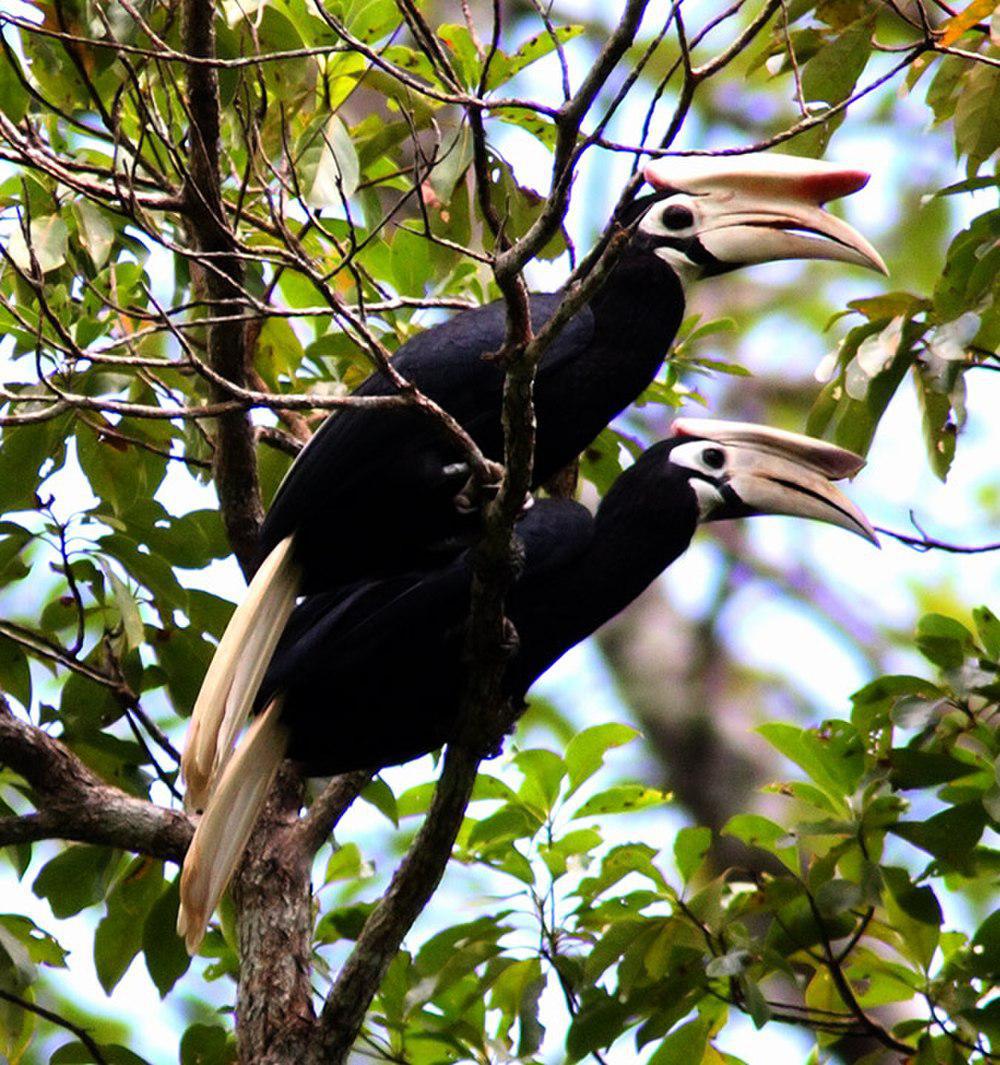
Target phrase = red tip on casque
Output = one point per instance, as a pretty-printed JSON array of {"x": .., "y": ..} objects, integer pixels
[{"x": 819, "y": 188}]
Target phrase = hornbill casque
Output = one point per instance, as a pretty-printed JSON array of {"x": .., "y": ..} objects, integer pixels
[
  {"x": 374, "y": 492},
  {"x": 371, "y": 674}
]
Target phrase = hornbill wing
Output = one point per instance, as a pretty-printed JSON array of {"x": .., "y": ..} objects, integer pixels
[
  {"x": 334, "y": 638},
  {"x": 362, "y": 469}
]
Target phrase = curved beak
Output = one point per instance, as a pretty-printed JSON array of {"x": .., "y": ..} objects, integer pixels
[
  {"x": 767, "y": 484},
  {"x": 758, "y": 208},
  {"x": 769, "y": 471}
]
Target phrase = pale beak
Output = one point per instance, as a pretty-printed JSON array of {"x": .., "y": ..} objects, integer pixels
[
  {"x": 758, "y": 208},
  {"x": 767, "y": 484},
  {"x": 772, "y": 471}
]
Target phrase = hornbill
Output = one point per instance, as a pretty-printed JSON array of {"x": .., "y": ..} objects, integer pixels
[
  {"x": 371, "y": 674},
  {"x": 374, "y": 492}
]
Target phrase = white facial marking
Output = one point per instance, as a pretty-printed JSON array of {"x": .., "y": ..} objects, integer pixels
[
  {"x": 679, "y": 217},
  {"x": 709, "y": 459},
  {"x": 675, "y": 216},
  {"x": 709, "y": 497}
]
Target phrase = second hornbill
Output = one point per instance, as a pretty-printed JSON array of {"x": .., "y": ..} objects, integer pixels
[
  {"x": 371, "y": 674},
  {"x": 374, "y": 492}
]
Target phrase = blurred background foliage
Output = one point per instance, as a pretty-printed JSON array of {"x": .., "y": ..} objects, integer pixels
[{"x": 853, "y": 903}]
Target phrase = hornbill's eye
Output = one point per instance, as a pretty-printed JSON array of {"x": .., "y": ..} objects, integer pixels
[
  {"x": 677, "y": 217},
  {"x": 714, "y": 458}
]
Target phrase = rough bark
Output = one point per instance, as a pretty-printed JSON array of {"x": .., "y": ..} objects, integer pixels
[
  {"x": 74, "y": 803},
  {"x": 274, "y": 926},
  {"x": 222, "y": 279}
]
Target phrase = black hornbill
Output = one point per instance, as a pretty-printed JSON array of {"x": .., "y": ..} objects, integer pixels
[
  {"x": 370, "y": 674},
  {"x": 374, "y": 492}
]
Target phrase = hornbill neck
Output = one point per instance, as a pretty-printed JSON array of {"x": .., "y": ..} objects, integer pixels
[
  {"x": 641, "y": 304},
  {"x": 644, "y": 523},
  {"x": 636, "y": 314}
]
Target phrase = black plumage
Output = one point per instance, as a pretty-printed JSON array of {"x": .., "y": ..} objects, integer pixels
[
  {"x": 380, "y": 492},
  {"x": 371, "y": 674},
  {"x": 374, "y": 492}
]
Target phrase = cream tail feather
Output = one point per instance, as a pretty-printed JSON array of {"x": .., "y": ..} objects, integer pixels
[
  {"x": 231, "y": 683},
  {"x": 224, "y": 829}
]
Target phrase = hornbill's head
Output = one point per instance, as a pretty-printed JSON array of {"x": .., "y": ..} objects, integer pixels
[
  {"x": 737, "y": 470},
  {"x": 712, "y": 214}
]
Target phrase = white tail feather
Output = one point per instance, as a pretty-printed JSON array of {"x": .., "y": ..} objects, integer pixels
[
  {"x": 224, "y": 829},
  {"x": 230, "y": 685}
]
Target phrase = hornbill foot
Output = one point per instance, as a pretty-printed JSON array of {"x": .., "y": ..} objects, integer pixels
[{"x": 474, "y": 495}]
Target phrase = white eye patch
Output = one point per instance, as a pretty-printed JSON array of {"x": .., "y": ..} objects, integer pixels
[
  {"x": 708, "y": 459},
  {"x": 703, "y": 456},
  {"x": 677, "y": 216}
]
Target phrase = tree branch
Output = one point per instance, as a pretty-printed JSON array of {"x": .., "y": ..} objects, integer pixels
[
  {"x": 54, "y": 1018},
  {"x": 75, "y": 804},
  {"x": 923, "y": 542},
  {"x": 235, "y": 457}
]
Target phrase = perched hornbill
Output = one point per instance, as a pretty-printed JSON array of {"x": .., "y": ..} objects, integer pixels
[
  {"x": 374, "y": 492},
  {"x": 371, "y": 674}
]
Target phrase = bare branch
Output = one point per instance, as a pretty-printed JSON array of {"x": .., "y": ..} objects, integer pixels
[
  {"x": 235, "y": 459},
  {"x": 315, "y": 826},
  {"x": 62, "y": 1022},
  {"x": 75, "y": 804},
  {"x": 923, "y": 542}
]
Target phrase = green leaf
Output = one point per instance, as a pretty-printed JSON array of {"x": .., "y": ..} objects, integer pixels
[
  {"x": 557, "y": 855},
  {"x": 410, "y": 262},
  {"x": 852, "y": 404},
  {"x": 516, "y": 993},
  {"x": 624, "y": 798},
  {"x": 135, "y": 630},
  {"x": 14, "y": 98},
  {"x": 949, "y": 835},
  {"x": 378, "y": 794},
  {"x": 204, "y": 1044},
  {"x": 49, "y": 240},
  {"x": 543, "y": 772},
  {"x": 685, "y": 1046},
  {"x": 120, "y": 933},
  {"x": 530, "y": 51},
  {"x": 830, "y": 77},
  {"x": 977, "y": 116},
  {"x": 40, "y": 947},
  {"x": 834, "y": 897},
  {"x": 167, "y": 959},
  {"x": 943, "y": 640},
  {"x": 96, "y": 232},
  {"x": 15, "y": 674},
  {"x": 74, "y": 878},
  {"x": 912, "y": 768},
  {"x": 757, "y": 1007},
  {"x": 586, "y": 750},
  {"x": 26, "y": 451},
  {"x": 988, "y": 627},
  {"x": 75, "y": 1053},
  {"x": 598, "y": 1024},
  {"x": 690, "y": 847},
  {"x": 873, "y": 703},
  {"x": 914, "y": 912},
  {"x": 509, "y": 823},
  {"x": 758, "y": 831},
  {"x": 337, "y": 170},
  {"x": 832, "y": 756}
]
